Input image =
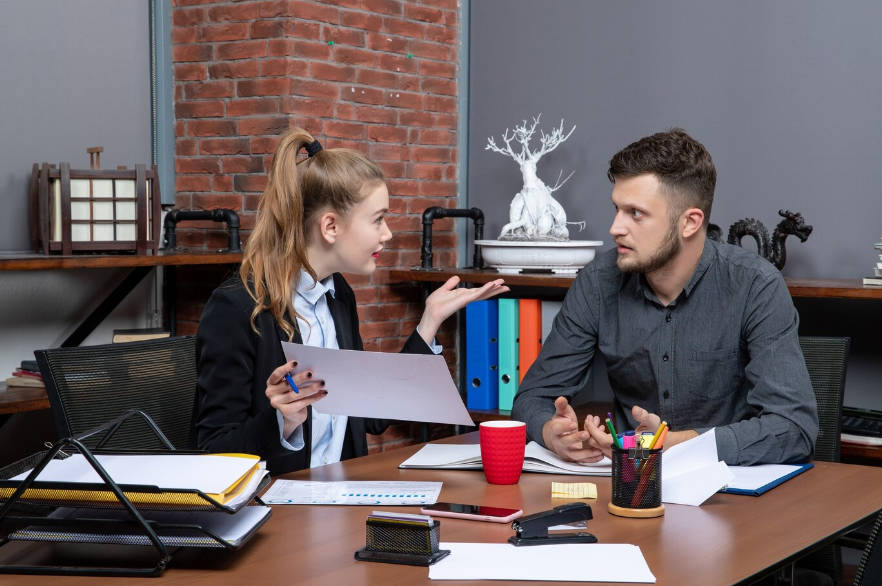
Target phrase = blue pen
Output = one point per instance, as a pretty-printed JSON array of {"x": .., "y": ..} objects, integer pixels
[{"x": 291, "y": 382}]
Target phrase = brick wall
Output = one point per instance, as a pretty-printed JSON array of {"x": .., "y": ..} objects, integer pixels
[{"x": 375, "y": 75}]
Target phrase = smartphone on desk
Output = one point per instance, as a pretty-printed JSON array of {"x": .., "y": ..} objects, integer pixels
[{"x": 472, "y": 512}]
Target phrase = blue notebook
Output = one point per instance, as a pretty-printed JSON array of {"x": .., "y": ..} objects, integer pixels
[{"x": 757, "y": 480}]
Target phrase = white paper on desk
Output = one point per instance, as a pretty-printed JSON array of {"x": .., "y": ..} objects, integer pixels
[
  {"x": 692, "y": 471},
  {"x": 590, "y": 562},
  {"x": 468, "y": 457},
  {"x": 409, "y": 387},
  {"x": 212, "y": 474},
  {"x": 308, "y": 492}
]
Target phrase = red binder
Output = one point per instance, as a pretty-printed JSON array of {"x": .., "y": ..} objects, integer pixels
[{"x": 529, "y": 334}]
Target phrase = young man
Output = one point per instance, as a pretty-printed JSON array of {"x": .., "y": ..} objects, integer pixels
[{"x": 694, "y": 332}]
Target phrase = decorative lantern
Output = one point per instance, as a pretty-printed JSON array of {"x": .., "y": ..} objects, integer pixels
[{"x": 90, "y": 210}]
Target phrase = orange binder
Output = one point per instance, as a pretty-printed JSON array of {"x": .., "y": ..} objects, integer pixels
[{"x": 529, "y": 334}]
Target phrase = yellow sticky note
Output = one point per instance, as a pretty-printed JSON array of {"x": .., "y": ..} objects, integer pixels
[{"x": 573, "y": 490}]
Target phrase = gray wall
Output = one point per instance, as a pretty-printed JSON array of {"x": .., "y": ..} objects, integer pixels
[
  {"x": 784, "y": 94},
  {"x": 75, "y": 74}
]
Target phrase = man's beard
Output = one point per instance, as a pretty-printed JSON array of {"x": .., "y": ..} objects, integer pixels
[{"x": 668, "y": 249}]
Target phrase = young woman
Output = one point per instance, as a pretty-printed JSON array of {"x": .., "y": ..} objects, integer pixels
[{"x": 319, "y": 216}]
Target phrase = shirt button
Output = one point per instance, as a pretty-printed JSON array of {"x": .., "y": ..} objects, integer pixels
[
  {"x": 666, "y": 395},
  {"x": 668, "y": 317},
  {"x": 665, "y": 357},
  {"x": 324, "y": 460}
]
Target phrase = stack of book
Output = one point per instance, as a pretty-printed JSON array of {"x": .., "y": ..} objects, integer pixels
[
  {"x": 27, "y": 375},
  {"x": 876, "y": 280},
  {"x": 139, "y": 335}
]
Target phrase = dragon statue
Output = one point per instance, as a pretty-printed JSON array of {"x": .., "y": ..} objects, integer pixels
[{"x": 772, "y": 249}]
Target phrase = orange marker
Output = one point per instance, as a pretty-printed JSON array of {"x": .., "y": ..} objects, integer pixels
[{"x": 661, "y": 439}]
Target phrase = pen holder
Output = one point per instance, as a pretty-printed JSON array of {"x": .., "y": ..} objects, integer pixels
[
  {"x": 636, "y": 483},
  {"x": 395, "y": 541}
]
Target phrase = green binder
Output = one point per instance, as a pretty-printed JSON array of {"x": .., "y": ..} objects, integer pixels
[{"x": 508, "y": 352}]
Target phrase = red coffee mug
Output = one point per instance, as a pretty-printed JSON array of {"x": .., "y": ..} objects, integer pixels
[{"x": 502, "y": 450}]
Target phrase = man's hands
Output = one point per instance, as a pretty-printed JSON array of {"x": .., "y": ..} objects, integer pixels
[
  {"x": 293, "y": 405},
  {"x": 562, "y": 436}
]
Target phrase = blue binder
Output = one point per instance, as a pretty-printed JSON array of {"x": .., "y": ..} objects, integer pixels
[
  {"x": 482, "y": 354},
  {"x": 758, "y": 490}
]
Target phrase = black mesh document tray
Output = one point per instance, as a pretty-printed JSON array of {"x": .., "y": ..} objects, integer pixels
[{"x": 109, "y": 513}]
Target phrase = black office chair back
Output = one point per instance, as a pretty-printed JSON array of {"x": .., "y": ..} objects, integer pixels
[
  {"x": 826, "y": 360},
  {"x": 91, "y": 385},
  {"x": 869, "y": 572}
]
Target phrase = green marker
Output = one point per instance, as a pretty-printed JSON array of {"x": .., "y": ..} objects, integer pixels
[{"x": 612, "y": 430}]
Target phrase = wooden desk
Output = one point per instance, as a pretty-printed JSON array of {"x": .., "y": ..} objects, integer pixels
[{"x": 728, "y": 540}]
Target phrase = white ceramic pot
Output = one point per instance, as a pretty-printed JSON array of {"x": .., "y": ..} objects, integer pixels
[{"x": 510, "y": 257}]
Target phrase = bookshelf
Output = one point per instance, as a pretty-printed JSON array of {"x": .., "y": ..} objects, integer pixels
[{"x": 817, "y": 288}]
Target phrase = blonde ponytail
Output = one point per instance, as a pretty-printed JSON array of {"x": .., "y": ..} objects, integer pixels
[{"x": 296, "y": 193}]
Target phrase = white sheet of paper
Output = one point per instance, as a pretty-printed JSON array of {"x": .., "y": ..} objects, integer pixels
[
  {"x": 692, "y": 471},
  {"x": 307, "y": 492},
  {"x": 409, "y": 387},
  {"x": 595, "y": 562},
  {"x": 212, "y": 474},
  {"x": 468, "y": 457},
  {"x": 756, "y": 477}
]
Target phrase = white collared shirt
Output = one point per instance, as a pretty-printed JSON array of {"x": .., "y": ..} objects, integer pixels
[{"x": 316, "y": 326}]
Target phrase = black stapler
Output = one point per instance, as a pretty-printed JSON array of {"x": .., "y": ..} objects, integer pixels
[{"x": 533, "y": 529}]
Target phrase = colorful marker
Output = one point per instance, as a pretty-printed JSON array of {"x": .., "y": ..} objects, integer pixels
[
  {"x": 664, "y": 425},
  {"x": 612, "y": 430}
]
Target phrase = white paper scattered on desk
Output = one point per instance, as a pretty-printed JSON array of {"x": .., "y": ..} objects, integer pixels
[
  {"x": 692, "y": 471},
  {"x": 409, "y": 387},
  {"x": 307, "y": 492},
  {"x": 468, "y": 457},
  {"x": 756, "y": 477},
  {"x": 595, "y": 562}
]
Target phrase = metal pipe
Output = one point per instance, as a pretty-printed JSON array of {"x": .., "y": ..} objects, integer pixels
[
  {"x": 229, "y": 217},
  {"x": 435, "y": 212}
]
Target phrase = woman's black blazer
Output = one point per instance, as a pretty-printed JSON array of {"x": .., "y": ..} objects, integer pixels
[{"x": 231, "y": 412}]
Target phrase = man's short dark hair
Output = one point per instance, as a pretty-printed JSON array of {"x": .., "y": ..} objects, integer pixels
[{"x": 681, "y": 163}]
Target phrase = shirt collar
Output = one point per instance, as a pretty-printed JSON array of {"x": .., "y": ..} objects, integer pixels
[
  {"x": 312, "y": 291},
  {"x": 707, "y": 257}
]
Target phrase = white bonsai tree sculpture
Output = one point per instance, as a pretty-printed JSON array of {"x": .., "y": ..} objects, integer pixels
[{"x": 534, "y": 213}]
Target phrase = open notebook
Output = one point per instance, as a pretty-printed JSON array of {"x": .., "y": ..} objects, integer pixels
[{"x": 468, "y": 457}]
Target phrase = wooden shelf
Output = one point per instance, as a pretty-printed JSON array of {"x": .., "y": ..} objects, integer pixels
[
  {"x": 29, "y": 261},
  {"x": 20, "y": 399},
  {"x": 819, "y": 288}
]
